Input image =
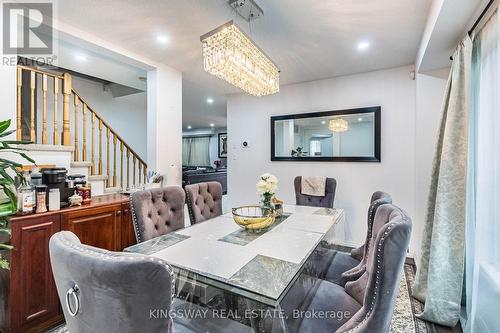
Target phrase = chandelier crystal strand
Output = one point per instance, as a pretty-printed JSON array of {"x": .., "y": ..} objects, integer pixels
[
  {"x": 232, "y": 56},
  {"x": 338, "y": 125}
]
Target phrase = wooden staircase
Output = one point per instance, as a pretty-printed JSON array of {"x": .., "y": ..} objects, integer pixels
[{"x": 51, "y": 114}]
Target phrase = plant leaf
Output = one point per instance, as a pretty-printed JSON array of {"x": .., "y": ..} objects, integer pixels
[
  {"x": 27, "y": 158},
  {"x": 14, "y": 142},
  {"x": 5, "y": 231},
  {"x": 5, "y": 175},
  {"x": 11, "y": 195},
  {"x": 4, "y": 264},
  {"x": 11, "y": 163},
  {"x": 6, "y": 133},
  {"x": 6, "y": 246},
  {"x": 4, "y": 125}
]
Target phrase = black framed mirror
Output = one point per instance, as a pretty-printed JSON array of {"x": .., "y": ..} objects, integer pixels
[{"x": 351, "y": 135}]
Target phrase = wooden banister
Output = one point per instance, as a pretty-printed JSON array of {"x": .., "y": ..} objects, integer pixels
[{"x": 119, "y": 170}]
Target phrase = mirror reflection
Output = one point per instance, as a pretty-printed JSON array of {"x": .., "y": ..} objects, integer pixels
[{"x": 349, "y": 135}]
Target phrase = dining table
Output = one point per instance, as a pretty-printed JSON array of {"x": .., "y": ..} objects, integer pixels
[{"x": 241, "y": 274}]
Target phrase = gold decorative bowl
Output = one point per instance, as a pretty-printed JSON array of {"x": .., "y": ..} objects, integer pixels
[{"x": 254, "y": 218}]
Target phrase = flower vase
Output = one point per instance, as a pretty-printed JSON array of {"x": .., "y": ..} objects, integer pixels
[{"x": 266, "y": 201}]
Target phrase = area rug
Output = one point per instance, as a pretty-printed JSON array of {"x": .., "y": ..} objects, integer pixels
[{"x": 403, "y": 320}]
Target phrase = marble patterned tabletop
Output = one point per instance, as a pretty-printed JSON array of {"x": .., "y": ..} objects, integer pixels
[{"x": 260, "y": 265}]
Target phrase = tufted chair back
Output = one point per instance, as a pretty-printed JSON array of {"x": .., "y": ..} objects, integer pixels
[
  {"x": 103, "y": 291},
  {"x": 377, "y": 288},
  {"x": 378, "y": 199},
  {"x": 157, "y": 211},
  {"x": 204, "y": 201},
  {"x": 309, "y": 200}
]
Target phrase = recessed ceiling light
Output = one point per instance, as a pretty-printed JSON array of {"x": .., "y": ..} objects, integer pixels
[
  {"x": 363, "y": 46},
  {"x": 212, "y": 125},
  {"x": 189, "y": 127},
  {"x": 323, "y": 122},
  {"x": 162, "y": 39},
  {"x": 360, "y": 119},
  {"x": 210, "y": 100},
  {"x": 80, "y": 57}
]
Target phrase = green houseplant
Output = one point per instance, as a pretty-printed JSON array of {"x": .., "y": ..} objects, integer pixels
[{"x": 8, "y": 170}]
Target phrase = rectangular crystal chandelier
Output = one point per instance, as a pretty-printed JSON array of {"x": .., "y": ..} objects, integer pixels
[{"x": 231, "y": 55}]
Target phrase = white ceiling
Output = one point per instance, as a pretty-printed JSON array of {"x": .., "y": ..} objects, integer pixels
[
  {"x": 196, "y": 112},
  {"x": 308, "y": 40},
  {"x": 450, "y": 21}
]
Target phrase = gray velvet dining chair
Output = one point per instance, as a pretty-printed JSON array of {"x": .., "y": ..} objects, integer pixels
[
  {"x": 378, "y": 198},
  {"x": 156, "y": 212},
  {"x": 204, "y": 201},
  {"x": 315, "y": 201},
  {"x": 340, "y": 267},
  {"x": 366, "y": 305},
  {"x": 103, "y": 291}
]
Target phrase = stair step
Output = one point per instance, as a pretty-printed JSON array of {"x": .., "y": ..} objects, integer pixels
[
  {"x": 97, "y": 177},
  {"x": 112, "y": 190},
  {"x": 81, "y": 164},
  {"x": 98, "y": 183},
  {"x": 80, "y": 167},
  {"x": 47, "y": 155},
  {"x": 40, "y": 147}
]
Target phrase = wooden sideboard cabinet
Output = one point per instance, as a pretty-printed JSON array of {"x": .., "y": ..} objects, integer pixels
[{"x": 33, "y": 304}]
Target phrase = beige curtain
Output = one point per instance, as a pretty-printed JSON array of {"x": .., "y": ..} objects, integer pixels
[
  {"x": 440, "y": 274},
  {"x": 196, "y": 151}
]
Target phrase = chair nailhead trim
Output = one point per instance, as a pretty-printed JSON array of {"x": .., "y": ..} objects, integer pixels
[
  {"x": 371, "y": 217},
  {"x": 404, "y": 219},
  {"x": 138, "y": 233}
]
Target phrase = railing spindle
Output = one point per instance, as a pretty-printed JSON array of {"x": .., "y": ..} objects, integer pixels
[
  {"x": 133, "y": 169},
  {"x": 92, "y": 142},
  {"x": 114, "y": 160},
  {"x": 128, "y": 167},
  {"x": 140, "y": 173},
  {"x": 121, "y": 165},
  {"x": 99, "y": 163},
  {"x": 44, "y": 109},
  {"x": 75, "y": 152},
  {"x": 84, "y": 133},
  {"x": 108, "y": 134},
  {"x": 19, "y": 133},
  {"x": 145, "y": 172},
  {"x": 66, "y": 134},
  {"x": 32, "y": 106},
  {"x": 56, "y": 95}
]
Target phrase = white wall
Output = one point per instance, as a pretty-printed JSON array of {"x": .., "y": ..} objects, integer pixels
[
  {"x": 127, "y": 115},
  {"x": 8, "y": 94},
  {"x": 393, "y": 90},
  {"x": 164, "y": 123},
  {"x": 430, "y": 90}
]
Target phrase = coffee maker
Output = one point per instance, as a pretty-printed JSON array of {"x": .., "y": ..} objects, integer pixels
[{"x": 56, "y": 178}]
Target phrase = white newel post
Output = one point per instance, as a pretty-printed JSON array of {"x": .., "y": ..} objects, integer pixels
[{"x": 164, "y": 123}]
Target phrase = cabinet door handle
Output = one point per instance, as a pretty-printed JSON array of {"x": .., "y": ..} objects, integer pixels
[{"x": 119, "y": 213}]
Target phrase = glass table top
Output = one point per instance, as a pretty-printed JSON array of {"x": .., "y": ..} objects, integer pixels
[{"x": 260, "y": 266}]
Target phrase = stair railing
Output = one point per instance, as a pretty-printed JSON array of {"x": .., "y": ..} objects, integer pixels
[{"x": 132, "y": 169}]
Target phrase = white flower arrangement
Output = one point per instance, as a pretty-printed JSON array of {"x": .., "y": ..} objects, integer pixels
[{"x": 267, "y": 184}]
